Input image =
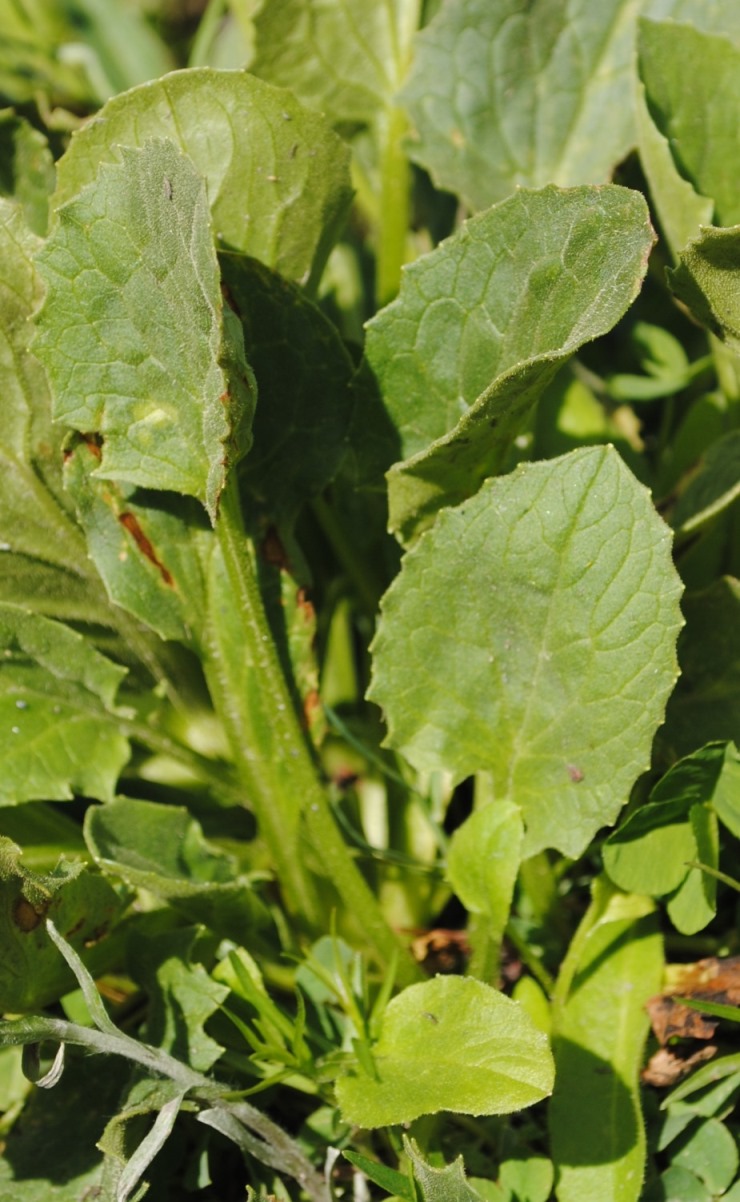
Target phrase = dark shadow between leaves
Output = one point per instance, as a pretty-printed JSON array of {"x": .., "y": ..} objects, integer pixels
[{"x": 593, "y": 1117}]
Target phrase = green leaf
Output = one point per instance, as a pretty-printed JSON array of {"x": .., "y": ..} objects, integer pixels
[
  {"x": 60, "y": 728},
  {"x": 451, "y": 1043},
  {"x": 705, "y": 704},
  {"x": 706, "y": 280},
  {"x": 161, "y": 849},
  {"x": 304, "y": 375},
  {"x": 531, "y": 633},
  {"x": 503, "y": 95},
  {"x": 695, "y": 111},
  {"x": 678, "y": 1184},
  {"x": 388, "y": 1179},
  {"x": 439, "y": 1185},
  {"x": 146, "y": 546},
  {"x": 346, "y": 59},
  {"x": 483, "y": 862},
  {"x": 694, "y": 904},
  {"x": 528, "y": 1180},
  {"x": 182, "y": 996},
  {"x": 614, "y": 965},
  {"x": 131, "y": 329},
  {"x": 710, "y": 1152},
  {"x": 482, "y": 324},
  {"x": 276, "y": 175},
  {"x": 713, "y": 489},
  {"x": 82, "y": 905},
  {"x": 26, "y": 168}
]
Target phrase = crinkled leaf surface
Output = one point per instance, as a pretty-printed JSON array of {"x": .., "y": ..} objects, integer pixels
[
  {"x": 531, "y": 634},
  {"x": 59, "y": 729},
  {"x": 304, "y": 374},
  {"x": 161, "y": 849},
  {"x": 451, "y": 1043},
  {"x": 696, "y": 111},
  {"x": 145, "y": 545},
  {"x": 705, "y": 704},
  {"x": 482, "y": 324},
  {"x": 182, "y": 997},
  {"x": 596, "y": 1127},
  {"x": 131, "y": 330},
  {"x": 82, "y": 905},
  {"x": 277, "y": 177},
  {"x": 706, "y": 280},
  {"x": 347, "y": 59},
  {"x": 505, "y": 93}
]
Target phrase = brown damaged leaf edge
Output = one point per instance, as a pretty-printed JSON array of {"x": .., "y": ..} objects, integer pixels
[
  {"x": 711, "y": 980},
  {"x": 131, "y": 524}
]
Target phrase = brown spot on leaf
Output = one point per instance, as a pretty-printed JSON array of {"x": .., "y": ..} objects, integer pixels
[
  {"x": 131, "y": 523},
  {"x": 575, "y": 774},
  {"x": 311, "y": 704},
  {"x": 273, "y": 550},
  {"x": 27, "y": 916}
]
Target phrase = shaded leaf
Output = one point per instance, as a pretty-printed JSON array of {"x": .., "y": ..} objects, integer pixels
[
  {"x": 82, "y": 905},
  {"x": 451, "y": 1043},
  {"x": 482, "y": 324},
  {"x": 59, "y": 727},
  {"x": 161, "y": 849},
  {"x": 505, "y": 94},
  {"x": 706, "y": 280},
  {"x": 596, "y": 1127},
  {"x": 714, "y": 488},
  {"x": 131, "y": 329},
  {"x": 531, "y": 633},
  {"x": 26, "y": 168},
  {"x": 276, "y": 175}
]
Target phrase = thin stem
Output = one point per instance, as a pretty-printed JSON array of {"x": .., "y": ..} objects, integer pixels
[{"x": 395, "y": 204}]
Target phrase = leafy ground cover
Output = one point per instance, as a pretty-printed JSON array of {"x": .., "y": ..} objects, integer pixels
[{"x": 370, "y": 674}]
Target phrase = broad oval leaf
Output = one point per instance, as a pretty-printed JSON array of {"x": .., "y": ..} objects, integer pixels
[
  {"x": 277, "y": 176},
  {"x": 452, "y": 1043},
  {"x": 482, "y": 324},
  {"x": 504, "y": 93},
  {"x": 132, "y": 332},
  {"x": 531, "y": 633}
]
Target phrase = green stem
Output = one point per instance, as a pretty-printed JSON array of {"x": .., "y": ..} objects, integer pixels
[
  {"x": 395, "y": 204},
  {"x": 270, "y": 750}
]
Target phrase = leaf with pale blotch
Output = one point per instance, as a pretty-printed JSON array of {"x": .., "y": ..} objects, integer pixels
[
  {"x": 132, "y": 333},
  {"x": 277, "y": 176},
  {"x": 59, "y": 728},
  {"x": 531, "y": 633},
  {"x": 482, "y": 324},
  {"x": 505, "y": 94},
  {"x": 452, "y": 1043}
]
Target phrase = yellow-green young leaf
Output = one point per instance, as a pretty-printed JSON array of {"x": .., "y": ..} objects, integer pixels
[
  {"x": 81, "y": 903},
  {"x": 59, "y": 729},
  {"x": 531, "y": 633},
  {"x": 452, "y": 1043},
  {"x": 276, "y": 175},
  {"x": 596, "y": 1129},
  {"x": 483, "y": 862},
  {"x": 482, "y": 324},
  {"x": 132, "y": 332},
  {"x": 504, "y": 94}
]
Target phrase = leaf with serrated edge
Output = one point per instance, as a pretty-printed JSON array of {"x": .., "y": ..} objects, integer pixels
[
  {"x": 531, "y": 633},
  {"x": 482, "y": 324},
  {"x": 504, "y": 94},
  {"x": 131, "y": 330},
  {"x": 59, "y": 730},
  {"x": 452, "y": 1043},
  {"x": 277, "y": 176}
]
